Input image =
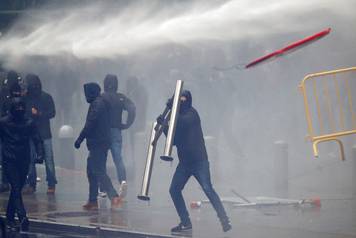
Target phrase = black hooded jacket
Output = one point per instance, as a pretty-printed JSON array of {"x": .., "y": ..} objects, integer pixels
[
  {"x": 15, "y": 91},
  {"x": 118, "y": 103},
  {"x": 97, "y": 126},
  {"x": 9, "y": 84},
  {"x": 16, "y": 131},
  {"x": 42, "y": 102},
  {"x": 189, "y": 138}
]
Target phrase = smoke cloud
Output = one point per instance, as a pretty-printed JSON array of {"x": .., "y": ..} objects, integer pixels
[{"x": 100, "y": 30}]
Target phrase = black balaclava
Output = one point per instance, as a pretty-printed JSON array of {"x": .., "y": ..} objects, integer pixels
[
  {"x": 15, "y": 90},
  {"x": 91, "y": 91},
  {"x": 11, "y": 79},
  {"x": 110, "y": 83},
  {"x": 17, "y": 108},
  {"x": 187, "y": 104},
  {"x": 34, "y": 86}
]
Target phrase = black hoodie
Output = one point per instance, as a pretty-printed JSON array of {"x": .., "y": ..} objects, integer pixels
[
  {"x": 97, "y": 126},
  {"x": 12, "y": 78},
  {"x": 189, "y": 138},
  {"x": 118, "y": 103},
  {"x": 16, "y": 130},
  {"x": 15, "y": 91},
  {"x": 42, "y": 102}
]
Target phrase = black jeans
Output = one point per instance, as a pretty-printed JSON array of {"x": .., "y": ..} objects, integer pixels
[
  {"x": 96, "y": 172},
  {"x": 201, "y": 173},
  {"x": 16, "y": 172}
]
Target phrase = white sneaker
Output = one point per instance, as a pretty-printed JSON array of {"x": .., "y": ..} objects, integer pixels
[
  {"x": 102, "y": 194},
  {"x": 123, "y": 189}
]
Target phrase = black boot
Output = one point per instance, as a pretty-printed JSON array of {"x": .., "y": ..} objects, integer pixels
[
  {"x": 226, "y": 225},
  {"x": 11, "y": 226},
  {"x": 182, "y": 227}
]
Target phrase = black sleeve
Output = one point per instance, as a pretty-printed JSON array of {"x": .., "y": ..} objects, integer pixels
[
  {"x": 37, "y": 140},
  {"x": 129, "y": 106},
  {"x": 49, "y": 110},
  {"x": 95, "y": 109}
]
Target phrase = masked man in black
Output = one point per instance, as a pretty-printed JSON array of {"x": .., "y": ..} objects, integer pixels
[
  {"x": 16, "y": 132},
  {"x": 97, "y": 134},
  {"x": 193, "y": 161},
  {"x": 40, "y": 107},
  {"x": 118, "y": 103},
  {"x": 10, "y": 89}
]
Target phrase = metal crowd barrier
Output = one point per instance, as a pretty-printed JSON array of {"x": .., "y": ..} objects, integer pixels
[{"x": 329, "y": 106}]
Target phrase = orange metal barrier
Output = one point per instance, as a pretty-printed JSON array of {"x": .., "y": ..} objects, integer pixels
[{"x": 329, "y": 106}]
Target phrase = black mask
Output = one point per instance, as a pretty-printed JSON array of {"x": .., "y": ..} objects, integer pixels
[
  {"x": 11, "y": 79},
  {"x": 91, "y": 91},
  {"x": 17, "y": 108},
  {"x": 34, "y": 86},
  {"x": 187, "y": 104},
  {"x": 34, "y": 90}
]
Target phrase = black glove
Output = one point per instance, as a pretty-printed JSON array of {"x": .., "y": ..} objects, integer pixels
[
  {"x": 169, "y": 103},
  {"x": 77, "y": 143},
  {"x": 160, "y": 120},
  {"x": 39, "y": 159}
]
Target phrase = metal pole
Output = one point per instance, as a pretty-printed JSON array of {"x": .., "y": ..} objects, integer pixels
[
  {"x": 172, "y": 122},
  {"x": 281, "y": 169},
  {"x": 149, "y": 166}
]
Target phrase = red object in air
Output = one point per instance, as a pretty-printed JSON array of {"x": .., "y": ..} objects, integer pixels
[{"x": 294, "y": 45}]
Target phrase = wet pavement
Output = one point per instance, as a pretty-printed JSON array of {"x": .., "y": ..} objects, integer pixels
[{"x": 335, "y": 218}]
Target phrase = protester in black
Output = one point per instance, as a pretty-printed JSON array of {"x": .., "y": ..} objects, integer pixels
[
  {"x": 41, "y": 108},
  {"x": 118, "y": 103},
  {"x": 10, "y": 89},
  {"x": 16, "y": 132},
  {"x": 97, "y": 134},
  {"x": 193, "y": 161}
]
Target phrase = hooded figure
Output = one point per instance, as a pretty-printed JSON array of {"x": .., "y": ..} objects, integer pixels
[
  {"x": 10, "y": 89},
  {"x": 97, "y": 126},
  {"x": 16, "y": 131},
  {"x": 193, "y": 161},
  {"x": 14, "y": 91},
  {"x": 11, "y": 80},
  {"x": 34, "y": 86},
  {"x": 110, "y": 83},
  {"x": 189, "y": 138},
  {"x": 40, "y": 107},
  {"x": 118, "y": 103},
  {"x": 91, "y": 92},
  {"x": 97, "y": 134}
]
